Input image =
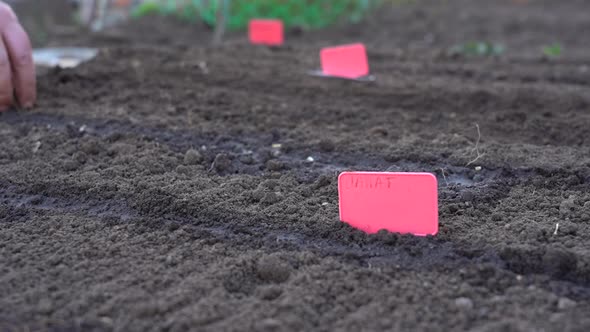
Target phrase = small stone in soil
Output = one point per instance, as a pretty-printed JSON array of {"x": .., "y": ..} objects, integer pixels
[
  {"x": 36, "y": 146},
  {"x": 221, "y": 162},
  {"x": 45, "y": 306},
  {"x": 269, "y": 293},
  {"x": 273, "y": 269},
  {"x": 564, "y": 303},
  {"x": 270, "y": 198},
  {"x": 247, "y": 159},
  {"x": 270, "y": 324},
  {"x": 464, "y": 303},
  {"x": 70, "y": 165},
  {"x": 80, "y": 157},
  {"x": 567, "y": 205},
  {"x": 192, "y": 157},
  {"x": 274, "y": 165},
  {"x": 91, "y": 147}
]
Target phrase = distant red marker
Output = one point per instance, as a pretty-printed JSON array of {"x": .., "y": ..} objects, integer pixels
[
  {"x": 347, "y": 61},
  {"x": 266, "y": 32},
  {"x": 397, "y": 202}
]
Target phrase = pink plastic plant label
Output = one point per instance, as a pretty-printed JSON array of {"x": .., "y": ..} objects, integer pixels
[
  {"x": 397, "y": 202},
  {"x": 347, "y": 61},
  {"x": 266, "y": 32}
]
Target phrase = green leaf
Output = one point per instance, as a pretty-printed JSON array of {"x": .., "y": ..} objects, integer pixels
[
  {"x": 146, "y": 8},
  {"x": 478, "y": 49},
  {"x": 553, "y": 50}
]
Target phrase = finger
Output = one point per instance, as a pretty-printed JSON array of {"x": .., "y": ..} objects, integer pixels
[
  {"x": 6, "y": 89},
  {"x": 18, "y": 47},
  {"x": 6, "y": 14}
]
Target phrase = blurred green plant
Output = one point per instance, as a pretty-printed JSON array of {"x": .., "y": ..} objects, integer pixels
[
  {"x": 553, "y": 50},
  {"x": 478, "y": 48},
  {"x": 303, "y": 13},
  {"x": 146, "y": 9}
]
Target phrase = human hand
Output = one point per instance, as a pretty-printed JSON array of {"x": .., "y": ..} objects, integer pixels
[{"x": 17, "y": 70}]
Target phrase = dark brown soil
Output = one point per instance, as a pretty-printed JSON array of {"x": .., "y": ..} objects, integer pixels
[{"x": 166, "y": 186}]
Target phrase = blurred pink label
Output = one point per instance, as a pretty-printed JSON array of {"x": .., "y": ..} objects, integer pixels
[
  {"x": 266, "y": 32},
  {"x": 348, "y": 61}
]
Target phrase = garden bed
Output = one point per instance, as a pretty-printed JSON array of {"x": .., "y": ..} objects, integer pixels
[{"x": 170, "y": 185}]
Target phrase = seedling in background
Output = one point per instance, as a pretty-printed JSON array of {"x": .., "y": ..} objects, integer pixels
[
  {"x": 477, "y": 49},
  {"x": 146, "y": 9},
  {"x": 396, "y": 202},
  {"x": 552, "y": 51}
]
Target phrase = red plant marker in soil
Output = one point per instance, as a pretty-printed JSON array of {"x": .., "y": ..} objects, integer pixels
[
  {"x": 348, "y": 61},
  {"x": 397, "y": 202},
  {"x": 266, "y": 32}
]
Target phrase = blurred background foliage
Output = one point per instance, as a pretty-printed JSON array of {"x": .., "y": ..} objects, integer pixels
[
  {"x": 48, "y": 21},
  {"x": 237, "y": 13}
]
